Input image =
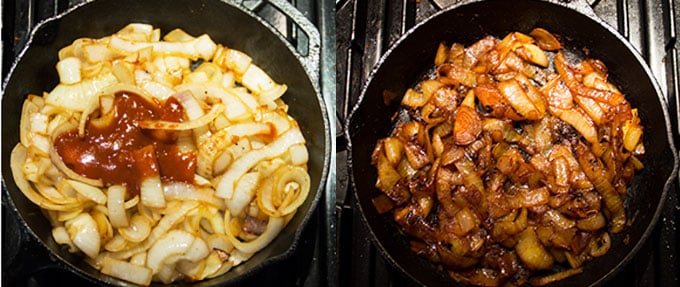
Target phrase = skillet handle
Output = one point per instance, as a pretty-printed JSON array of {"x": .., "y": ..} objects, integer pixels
[{"x": 311, "y": 59}]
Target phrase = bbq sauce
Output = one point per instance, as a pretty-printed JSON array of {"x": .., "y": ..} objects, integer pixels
[{"x": 116, "y": 150}]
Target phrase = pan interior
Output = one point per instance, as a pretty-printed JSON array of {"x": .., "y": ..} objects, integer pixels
[
  {"x": 371, "y": 119},
  {"x": 228, "y": 25}
]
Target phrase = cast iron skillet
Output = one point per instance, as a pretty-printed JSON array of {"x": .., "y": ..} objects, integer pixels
[
  {"x": 227, "y": 23},
  {"x": 412, "y": 56}
]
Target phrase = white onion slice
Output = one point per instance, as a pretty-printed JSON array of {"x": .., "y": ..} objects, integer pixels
[
  {"x": 236, "y": 60},
  {"x": 219, "y": 241},
  {"x": 56, "y": 160},
  {"x": 116, "y": 206},
  {"x": 167, "y": 222},
  {"x": 132, "y": 202},
  {"x": 138, "y": 229},
  {"x": 284, "y": 191},
  {"x": 90, "y": 192},
  {"x": 250, "y": 129},
  {"x": 245, "y": 97},
  {"x": 274, "y": 226},
  {"x": 299, "y": 154},
  {"x": 61, "y": 236},
  {"x": 191, "y": 270},
  {"x": 139, "y": 259},
  {"x": 245, "y": 191},
  {"x": 175, "y": 242},
  {"x": 79, "y": 96},
  {"x": 225, "y": 187},
  {"x": 83, "y": 232},
  {"x": 191, "y": 106},
  {"x": 183, "y": 191},
  {"x": 117, "y": 243},
  {"x": 188, "y": 125},
  {"x": 257, "y": 80},
  {"x": 197, "y": 251},
  {"x": 151, "y": 192},
  {"x": 18, "y": 157},
  {"x": 126, "y": 271}
]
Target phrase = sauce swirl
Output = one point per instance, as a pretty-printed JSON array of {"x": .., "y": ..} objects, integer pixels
[{"x": 116, "y": 150}]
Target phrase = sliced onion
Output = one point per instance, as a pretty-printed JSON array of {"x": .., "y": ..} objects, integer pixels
[
  {"x": 197, "y": 251},
  {"x": 219, "y": 241},
  {"x": 191, "y": 106},
  {"x": 117, "y": 243},
  {"x": 138, "y": 229},
  {"x": 188, "y": 125},
  {"x": 171, "y": 218},
  {"x": 201, "y": 47},
  {"x": 191, "y": 270},
  {"x": 284, "y": 191},
  {"x": 592, "y": 108},
  {"x": 56, "y": 160},
  {"x": 532, "y": 252},
  {"x": 79, "y": 96},
  {"x": 52, "y": 194},
  {"x": 103, "y": 225},
  {"x": 213, "y": 263},
  {"x": 132, "y": 202},
  {"x": 183, "y": 191},
  {"x": 28, "y": 109},
  {"x": 18, "y": 157},
  {"x": 225, "y": 187},
  {"x": 167, "y": 274},
  {"x": 582, "y": 123},
  {"x": 300, "y": 156},
  {"x": 257, "y": 80},
  {"x": 237, "y": 256},
  {"x": 151, "y": 192},
  {"x": 518, "y": 99},
  {"x": 125, "y": 87},
  {"x": 126, "y": 271},
  {"x": 116, "y": 206},
  {"x": 274, "y": 226},
  {"x": 631, "y": 137},
  {"x": 281, "y": 121},
  {"x": 222, "y": 162},
  {"x": 236, "y": 60},
  {"x": 38, "y": 123},
  {"x": 61, "y": 236},
  {"x": 244, "y": 193},
  {"x": 83, "y": 232},
  {"x": 245, "y": 97},
  {"x": 88, "y": 191},
  {"x": 69, "y": 214},
  {"x": 272, "y": 94},
  {"x": 175, "y": 242},
  {"x": 250, "y": 129},
  {"x": 139, "y": 259}
]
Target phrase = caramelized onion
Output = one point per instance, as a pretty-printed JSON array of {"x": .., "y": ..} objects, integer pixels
[{"x": 504, "y": 169}]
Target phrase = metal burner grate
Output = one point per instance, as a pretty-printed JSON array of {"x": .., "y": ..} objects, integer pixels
[{"x": 366, "y": 29}]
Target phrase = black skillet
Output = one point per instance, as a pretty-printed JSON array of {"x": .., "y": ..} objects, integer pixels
[
  {"x": 228, "y": 23},
  {"x": 405, "y": 64}
]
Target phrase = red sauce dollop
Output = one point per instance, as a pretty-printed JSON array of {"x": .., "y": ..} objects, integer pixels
[{"x": 116, "y": 150}]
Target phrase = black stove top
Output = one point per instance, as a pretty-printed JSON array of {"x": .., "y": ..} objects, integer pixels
[
  {"x": 366, "y": 29},
  {"x": 26, "y": 263}
]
